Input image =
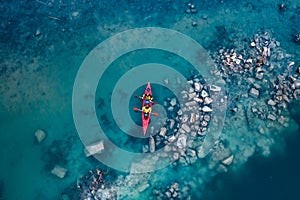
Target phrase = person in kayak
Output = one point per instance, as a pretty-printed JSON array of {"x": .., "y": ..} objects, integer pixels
[
  {"x": 147, "y": 97},
  {"x": 147, "y": 109}
]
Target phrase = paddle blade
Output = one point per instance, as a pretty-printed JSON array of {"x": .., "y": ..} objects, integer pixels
[
  {"x": 155, "y": 114},
  {"x": 135, "y": 109}
]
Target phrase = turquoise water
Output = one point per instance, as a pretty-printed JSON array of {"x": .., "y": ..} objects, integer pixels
[{"x": 43, "y": 44}]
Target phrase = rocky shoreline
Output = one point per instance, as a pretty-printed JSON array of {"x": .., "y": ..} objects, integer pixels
[{"x": 261, "y": 81}]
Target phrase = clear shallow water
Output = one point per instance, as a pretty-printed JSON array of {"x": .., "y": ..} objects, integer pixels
[{"x": 37, "y": 75}]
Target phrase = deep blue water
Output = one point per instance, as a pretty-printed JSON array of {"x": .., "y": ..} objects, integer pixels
[
  {"x": 276, "y": 177},
  {"x": 42, "y": 46}
]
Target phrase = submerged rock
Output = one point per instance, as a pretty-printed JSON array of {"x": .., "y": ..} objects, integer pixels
[
  {"x": 181, "y": 142},
  {"x": 59, "y": 171},
  {"x": 173, "y": 102},
  {"x": 228, "y": 161},
  {"x": 200, "y": 152},
  {"x": 214, "y": 88},
  {"x": 40, "y": 135},
  {"x": 197, "y": 86},
  {"x": 186, "y": 128},
  {"x": 163, "y": 131},
  {"x": 254, "y": 92},
  {"x": 271, "y": 117},
  {"x": 206, "y": 109},
  {"x": 271, "y": 102},
  {"x": 151, "y": 144},
  {"x": 94, "y": 148},
  {"x": 143, "y": 187}
]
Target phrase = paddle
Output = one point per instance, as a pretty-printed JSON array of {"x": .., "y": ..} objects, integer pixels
[
  {"x": 139, "y": 97},
  {"x": 155, "y": 114},
  {"x": 136, "y": 109}
]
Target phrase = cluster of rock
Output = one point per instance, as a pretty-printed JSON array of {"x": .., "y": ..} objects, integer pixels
[
  {"x": 191, "y": 9},
  {"x": 172, "y": 192},
  {"x": 262, "y": 79},
  {"x": 253, "y": 71},
  {"x": 94, "y": 186},
  {"x": 188, "y": 122}
]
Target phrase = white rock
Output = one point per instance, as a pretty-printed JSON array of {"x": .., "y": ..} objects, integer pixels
[
  {"x": 191, "y": 152},
  {"x": 214, "y": 88},
  {"x": 192, "y": 118},
  {"x": 249, "y": 60},
  {"x": 271, "y": 117},
  {"x": 172, "y": 123},
  {"x": 204, "y": 123},
  {"x": 167, "y": 148},
  {"x": 181, "y": 142},
  {"x": 204, "y": 94},
  {"x": 191, "y": 103},
  {"x": 265, "y": 51},
  {"x": 252, "y": 44},
  {"x": 40, "y": 135},
  {"x": 192, "y": 95},
  {"x": 185, "y": 118},
  {"x": 206, "y": 118},
  {"x": 166, "y": 81},
  {"x": 197, "y": 86},
  {"x": 163, "y": 131},
  {"x": 297, "y": 84},
  {"x": 291, "y": 64},
  {"x": 168, "y": 194},
  {"x": 197, "y": 99},
  {"x": 228, "y": 161},
  {"x": 94, "y": 148},
  {"x": 176, "y": 156},
  {"x": 200, "y": 152},
  {"x": 186, "y": 128},
  {"x": 143, "y": 187},
  {"x": 145, "y": 148},
  {"x": 75, "y": 14},
  {"x": 201, "y": 132},
  {"x": 38, "y": 32},
  {"x": 208, "y": 100},
  {"x": 254, "y": 92},
  {"x": 151, "y": 144},
  {"x": 181, "y": 131},
  {"x": 170, "y": 109},
  {"x": 59, "y": 171},
  {"x": 271, "y": 102},
  {"x": 190, "y": 82},
  {"x": 171, "y": 139},
  {"x": 193, "y": 133},
  {"x": 261, "y": 130},
  {"x": 179, "y": 112},
  {"x": 173, "y": 102},
  {"x": 191, "y": 90},
  {"x": 206, "y": 109}
]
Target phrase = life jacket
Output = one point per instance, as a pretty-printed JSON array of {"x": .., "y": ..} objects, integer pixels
[{"x": 146, "y": 110}]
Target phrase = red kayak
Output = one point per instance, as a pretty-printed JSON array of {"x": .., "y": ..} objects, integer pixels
[{"x": 146, "y": 117}]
